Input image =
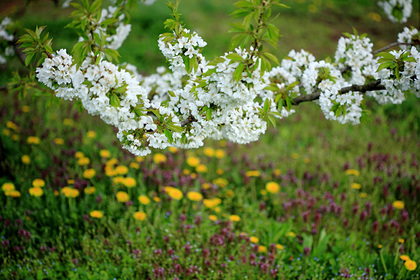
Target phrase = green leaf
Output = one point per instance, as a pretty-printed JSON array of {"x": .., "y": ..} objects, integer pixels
[
  {"x": 168, "y": 135},
  {"x": 272, "y": 57},
  {"x": 272, "y": 120},
  {"x": 111, "y": 54},
  {"x": 95, "y": 6},
  {"x": 267, "y": 104},
  {"x": 115, "y": 101},
  {"x": 237, "y": 75},
  {"x": 28, "y": 58},
  {"x": 209, "y": 114},
  {"x": 175, "y": 128},
  {"x": 410, "y": 59},
  {"x": 272, "y": 88},
  {"x": 385, "y": 55},
  {"x": 234, "y": 57},
  {"x": 385, "y": 65}
]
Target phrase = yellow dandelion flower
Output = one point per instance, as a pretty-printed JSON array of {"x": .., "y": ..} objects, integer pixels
[
  {"x": 353, "y": 172},
  {"x": 211, "y": 203},
  {"x": 156, "y": 199},
  {"x": 276, "y": 172},
  {"x": 38, "y": 183},
  {"x": 73, "y": 193},
  {"x": 139, "y": 216},
  {"x": 68, "y": 122},
  {"x": 380, "y": 246},
  {"x": 220, "y": 153},
  {"x": 186, "y": 172},
  {"x": 90, "y": 190},
  {"x": 129, "y": 182},
  {"x": 230, "y": 193},
  {"x": 193, "y": 161},
  {"x": 139, "y": 159},
  {"x": 295, "y": 155},
  {"x": 91, "y": 134},
  {"x": 134, "y": 165},
  {"x": 291, "y": 234},
  {"x": 96, "y": 214},
  {"x": 201, "y": 168},
  {"x": 89, "y": 173},
  {"x": 221, "y": 182},
  {"x": 234, "y": 218},
  {"x": 272, "y": 187},
  {"x": 398, "y": 204},
  {"x": 144, "y": 199},
  {"x": 15, "y": 137},
  {"x": 33, "y": 140},
  {"x": 118, "y": 180},
  {"x": 26, "y": 109},
  {"x": 193, "y": 175},
  {"x": 6, "y": 132},
  {"x": 194, "y": 196},
  {"x": 401, "y": 240},
  {"x": 56, "y": 193},
  {"x": 356, "y": 186},
  {"x": 159, "y": 158},
  {"x": 220, "y": 171},
  {"x": 263, "y": 192},
  {"x": 375, "y": 16},
  {"x": 410, "y": 265},
  {"x": 254, "y": 239},
  {"x": 59, "y": 141},
  {"x": 13, "y": 193},
  {"x": 405, "y": 258},
  {"x": 105, "y": 153},
  {"x": 83, "y": 161},
  {"x": 306, "y": 160},
  {"x": 262, "y": 249},
  {"x": 209, "y": 152},
  {"x": 109, "y": 171},
  {"x": 70, "y": 181},
  {"x": 213, "y": 218},
  {"x": 66, "y": 191},
  {"x": 174, "y": 193},
  {"x": 121, "y": 169},
  {"x": 173, "y": 150},
  {"x": 217, "y": 209},
  {"x": 36, "y": 191},
  {"x": 206, "y": 186},
  {"x": 12, "y": 126},
  {"x": 122, "y": 196},
  {"x": 26, "y": 159},
  {"x": 79, "y": 155},
  {"x": 111, "y": 162},
  {"x": 7, "y": 187},
  {"x": 363, "y": 195},
  {"x": 253, "y": 173},
  {"x": 280, "y": 247}
]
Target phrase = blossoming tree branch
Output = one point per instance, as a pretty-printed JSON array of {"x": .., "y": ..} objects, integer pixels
[{"x": 233, "y": 96}]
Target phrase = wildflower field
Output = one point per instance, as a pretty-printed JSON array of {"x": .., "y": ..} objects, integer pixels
[{"x": 312, "y": 199}]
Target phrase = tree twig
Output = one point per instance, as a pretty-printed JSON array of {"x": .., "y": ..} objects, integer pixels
[
  {"x": 376, "y": 85},
  {"x": 393, "y": 45}
]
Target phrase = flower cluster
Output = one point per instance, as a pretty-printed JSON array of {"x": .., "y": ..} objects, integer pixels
[
  {"x": 118, "y": 31},
  {"x": 397, "y": 10},
  {"x": 397, "y": 85},
  {"x": 6, "y": 48},
  {"x": 406, "y": 37},
  {"x": 224, "y": 98}
]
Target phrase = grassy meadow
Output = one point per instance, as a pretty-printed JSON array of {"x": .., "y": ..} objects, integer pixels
[{"x": 312, "y": 199}]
